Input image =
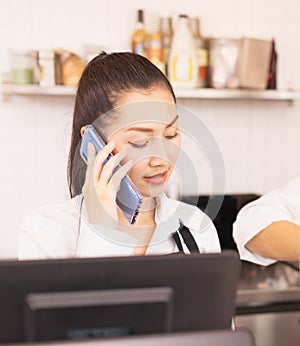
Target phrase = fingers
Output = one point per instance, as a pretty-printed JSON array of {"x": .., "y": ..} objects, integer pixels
[
  {"x": 91, "y": 154},
  {"x": 101, "y": 158},
  {"x": 109, "y": 169},
  {"x": 119, "y": 175},
  {"x": 107, "y": 174},
  {"x": 89, "y": 170}
]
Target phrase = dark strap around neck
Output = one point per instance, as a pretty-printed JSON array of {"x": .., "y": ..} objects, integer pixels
[
  {"x": 187, "y": 238},
  {"x": 177, "y": 241}
]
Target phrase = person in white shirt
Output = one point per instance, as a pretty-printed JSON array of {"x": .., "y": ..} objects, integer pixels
[
  {"x": 268, "y": 229},
  {"x": 132, "y": 106}
]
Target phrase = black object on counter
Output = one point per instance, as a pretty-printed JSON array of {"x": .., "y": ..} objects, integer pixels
[
  {"x": 229, "y": 208},
  {"x": 204, "y": 287}
]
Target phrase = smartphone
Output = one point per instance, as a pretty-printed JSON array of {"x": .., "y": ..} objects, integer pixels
[{"x": 128, "y": 198}]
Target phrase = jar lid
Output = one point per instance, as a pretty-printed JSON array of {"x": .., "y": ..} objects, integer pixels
[{"x": 46, "y": 54}]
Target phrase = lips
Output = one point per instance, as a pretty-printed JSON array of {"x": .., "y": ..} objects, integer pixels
[{"x": 157, "y": 178}]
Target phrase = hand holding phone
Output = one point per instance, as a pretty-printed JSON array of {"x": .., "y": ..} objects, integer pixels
[{"x": 127, "y": 197}]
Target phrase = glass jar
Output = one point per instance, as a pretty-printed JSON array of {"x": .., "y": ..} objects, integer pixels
[{"x": 23, "y": 66}]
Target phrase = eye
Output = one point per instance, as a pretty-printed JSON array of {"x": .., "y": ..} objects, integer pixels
[
  {"x": 139, "y": 145},
  {"x": 172, "y": 136}
]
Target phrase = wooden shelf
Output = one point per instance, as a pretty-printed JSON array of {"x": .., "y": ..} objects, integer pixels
[
  {"x": 32, "y": 89},
  {"x": 205, "y": 94}
]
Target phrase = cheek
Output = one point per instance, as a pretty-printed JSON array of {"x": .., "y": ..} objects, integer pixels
[
  {"x": 139, "y": 157},
  {"x": 172, "y": 150},
  {"x": 137, "y": 170}
]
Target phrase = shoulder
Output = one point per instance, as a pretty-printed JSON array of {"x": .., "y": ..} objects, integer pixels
[
  {"x": 191, "y": 215},
  {"x": 61, "y": 213},
  {"x": 200, "y": 225},
  {"x": 50, "y": 231},
  {"x": 278, "y": 204}
]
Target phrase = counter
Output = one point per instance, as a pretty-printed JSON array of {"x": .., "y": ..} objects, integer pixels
[{"x": 268, "y": 303}]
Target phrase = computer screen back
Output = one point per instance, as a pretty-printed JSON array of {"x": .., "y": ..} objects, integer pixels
[{"x": 204, "y": 286}]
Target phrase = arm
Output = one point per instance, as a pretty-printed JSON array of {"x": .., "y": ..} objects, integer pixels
[
  {"x": 280, "y": 240},
  {"x": 262, "y": 229}
]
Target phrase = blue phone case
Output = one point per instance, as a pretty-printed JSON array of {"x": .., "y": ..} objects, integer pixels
[{"x": 128, "y": 198}]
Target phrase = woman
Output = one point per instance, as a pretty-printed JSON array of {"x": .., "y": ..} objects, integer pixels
[{"x": 132, "y": 106}]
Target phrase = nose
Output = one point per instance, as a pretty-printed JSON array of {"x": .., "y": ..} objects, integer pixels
[
  {"x": 157, "y": 161},
  {"x": 159, "y": 155}
]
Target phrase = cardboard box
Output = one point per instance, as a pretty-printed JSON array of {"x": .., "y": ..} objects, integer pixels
[{"x": 254, "y": 63}]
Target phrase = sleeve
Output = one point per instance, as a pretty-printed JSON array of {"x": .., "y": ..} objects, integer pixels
[
  {"x": 281, "y": 204},
  {"x": 50, "y": 232}
]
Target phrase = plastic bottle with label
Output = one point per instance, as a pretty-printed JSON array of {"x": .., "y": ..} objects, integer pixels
[
  {"x": 202, "y": 53},
  {"x": 166, "y": 31},
  {"x": 138, "y": 37},
  {"x": 46, "y": 67},
  {"x": 155, "y": 51},
  {"x": 183, "y": 62}
]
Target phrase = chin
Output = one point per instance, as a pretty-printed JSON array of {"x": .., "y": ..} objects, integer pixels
[{"x": 153, "y": 191}]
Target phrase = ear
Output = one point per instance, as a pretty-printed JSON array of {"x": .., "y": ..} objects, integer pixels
[{"x": 82, "y": 130}]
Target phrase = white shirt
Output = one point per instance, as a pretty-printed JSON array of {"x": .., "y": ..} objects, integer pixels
[
  {"x": 279, "y": 204},
  {"x": 61, "y": 231}
]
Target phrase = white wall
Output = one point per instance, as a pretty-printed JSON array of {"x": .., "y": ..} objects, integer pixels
[{"x": 259, "y": 140}]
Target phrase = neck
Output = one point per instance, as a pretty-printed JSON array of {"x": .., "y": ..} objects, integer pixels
[
  {"x": 148, "y": 204},
  {"x": 146, "y": 215},
  {"x": 144, "y": 226}
]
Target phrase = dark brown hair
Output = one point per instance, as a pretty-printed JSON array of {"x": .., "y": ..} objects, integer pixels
[{"x": 104, "y": 81}]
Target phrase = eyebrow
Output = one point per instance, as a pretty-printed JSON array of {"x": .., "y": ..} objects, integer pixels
[{"x": 149, "y": 129}]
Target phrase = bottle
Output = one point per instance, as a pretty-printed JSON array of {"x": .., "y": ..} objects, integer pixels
[
  {"x": 155, "y": 51},
  {"x": 271, "y": 84},
  {"x": 182, "y": 63},
  {"x": 202, "y": 53},
  {"x": 46, "y": 67},
  {"x": 138, "y": 37},
  {"x": 166, "y": 31}
]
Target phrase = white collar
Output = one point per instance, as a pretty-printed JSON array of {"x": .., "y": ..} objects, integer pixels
[{"x": 166, "y": 219}]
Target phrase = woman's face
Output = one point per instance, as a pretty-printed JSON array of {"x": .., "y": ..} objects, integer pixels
[{"x": 147, "y": 125}]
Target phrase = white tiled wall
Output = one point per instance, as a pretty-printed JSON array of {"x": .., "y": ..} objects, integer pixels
[{"x": 259, "y": 140}]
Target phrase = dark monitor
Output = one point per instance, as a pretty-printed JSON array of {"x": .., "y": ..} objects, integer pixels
[
  {"x": 239, "y": 337},
  {"x": 118, "y": 295}
]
